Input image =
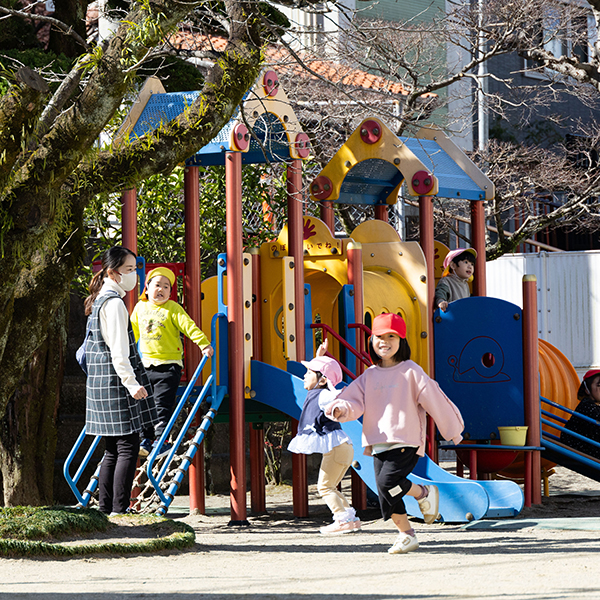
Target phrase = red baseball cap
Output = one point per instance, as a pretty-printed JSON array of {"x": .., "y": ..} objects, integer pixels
[
  {"x": 389, "y": 323},
  {"x": 591, "y": 373}
]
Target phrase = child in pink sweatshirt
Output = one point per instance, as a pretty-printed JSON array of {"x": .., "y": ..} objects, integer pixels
[{"x": 393, "y": 397}]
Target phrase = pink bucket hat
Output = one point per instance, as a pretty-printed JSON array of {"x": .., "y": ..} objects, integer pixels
[
  {"x": 328, "y": 367},
  {"x": 452, "y": 255}
]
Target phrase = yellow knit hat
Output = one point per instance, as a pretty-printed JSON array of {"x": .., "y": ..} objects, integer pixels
[{"x": 155, "y": 273}]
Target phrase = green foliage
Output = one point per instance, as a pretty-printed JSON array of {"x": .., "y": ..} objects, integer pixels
[
  {"x": 36, "y": 59},
  {"x": 29, "y": 522},
  {"x": 277, "y": 436},
  {"x": 24, "y": 531},
  {"x": 276, "y": 18},
  {"x": 176, "y": 75},
  {"x": 160, "y": 214}
]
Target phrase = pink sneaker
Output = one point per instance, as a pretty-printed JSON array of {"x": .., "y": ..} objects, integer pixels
[{"x": 339, "y": 527}]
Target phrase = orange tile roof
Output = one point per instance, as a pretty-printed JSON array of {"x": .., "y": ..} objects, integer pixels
[
  {"x": 186, "y": 40},
  {"x": 279, "y": 57}
]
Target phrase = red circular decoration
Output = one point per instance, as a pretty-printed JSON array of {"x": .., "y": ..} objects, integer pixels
[
  {"x": 240, "y": 137},
  {"x": 321, "y": 187},
  {"x": 370, "y": 131},
  {"x": 302, "y": 145},
  {"x": 422, "y": 182},
  {"x": 271, "y": 83}
]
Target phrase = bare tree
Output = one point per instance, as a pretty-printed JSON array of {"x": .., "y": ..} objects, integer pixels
[{"x": 531, "y": 67}]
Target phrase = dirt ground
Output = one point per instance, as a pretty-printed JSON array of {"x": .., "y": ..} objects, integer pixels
[{"x": 548, "y": 552}]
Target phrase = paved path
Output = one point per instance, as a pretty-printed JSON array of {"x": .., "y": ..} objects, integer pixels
[{"x": 279, "y": 557}]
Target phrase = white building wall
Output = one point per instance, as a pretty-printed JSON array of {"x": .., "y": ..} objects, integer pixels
[{"x": 568, "y": 298}]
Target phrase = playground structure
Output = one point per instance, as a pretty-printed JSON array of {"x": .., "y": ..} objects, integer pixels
[{"x": 268, "y": 302}]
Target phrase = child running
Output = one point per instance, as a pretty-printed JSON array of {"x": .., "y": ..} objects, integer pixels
[
  {"x": 158, "y": 323},
  {"x": 318, "y": 434},
  {"x": 393, "y": 396},
  {"x": 459, "y": 266}
]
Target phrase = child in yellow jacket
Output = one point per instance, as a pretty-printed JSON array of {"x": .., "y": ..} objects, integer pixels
[{"x": 158, "y": 323}]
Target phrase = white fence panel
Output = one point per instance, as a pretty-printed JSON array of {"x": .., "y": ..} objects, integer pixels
[{"x": 568, "y": 298}]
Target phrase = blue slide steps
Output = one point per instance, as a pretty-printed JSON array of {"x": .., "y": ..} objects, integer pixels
[{"x": 461, "y": 500}]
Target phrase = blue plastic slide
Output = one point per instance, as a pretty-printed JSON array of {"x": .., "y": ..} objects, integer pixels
[{"x": 461, "y": 500}]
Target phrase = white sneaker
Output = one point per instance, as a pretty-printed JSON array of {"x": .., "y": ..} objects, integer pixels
[
  {"x": 404, "y": 543},
  {"x": 430, "y": 504},
  {"x": 340, "y": 527}
]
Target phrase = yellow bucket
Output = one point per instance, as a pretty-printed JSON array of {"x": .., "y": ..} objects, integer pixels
[{"x": 513, "y": 436}]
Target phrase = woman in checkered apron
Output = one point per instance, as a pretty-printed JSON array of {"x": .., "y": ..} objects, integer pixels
[{"x": 119, "y": 402}]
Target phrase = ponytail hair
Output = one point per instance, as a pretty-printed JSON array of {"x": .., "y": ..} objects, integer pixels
[{"x": 112, "y": 259}]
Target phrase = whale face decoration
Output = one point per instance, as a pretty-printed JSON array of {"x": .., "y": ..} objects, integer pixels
[{"x": 480, "y": 361}]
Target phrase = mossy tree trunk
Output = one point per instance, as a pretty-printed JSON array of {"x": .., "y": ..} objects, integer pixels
[
  {"x": 50, "y": 168},
  {"x": 28, "y": 429}
]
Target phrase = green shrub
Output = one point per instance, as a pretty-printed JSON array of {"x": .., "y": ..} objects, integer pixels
[{"x": 30, "y": 531}]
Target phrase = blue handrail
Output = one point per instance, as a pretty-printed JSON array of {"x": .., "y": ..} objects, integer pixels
[
  {"x": 560, "y": 428},
  {"x": 82, "y": 499},
  {"x": 217, "y": 395}
]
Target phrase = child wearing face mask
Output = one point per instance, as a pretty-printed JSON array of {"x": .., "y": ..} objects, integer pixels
[
  {"x": 158, "y": 323},
  {"x": 119, "y": 402}
]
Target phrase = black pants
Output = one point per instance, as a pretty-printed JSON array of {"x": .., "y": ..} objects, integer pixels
[
  {"x": 392, "y": 469},
  {"x": 117, "y": 472},
  {"x": 165, "y": 382}
]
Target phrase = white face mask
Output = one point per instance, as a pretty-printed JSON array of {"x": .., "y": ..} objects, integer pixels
[{"x": 128, "y": 280}]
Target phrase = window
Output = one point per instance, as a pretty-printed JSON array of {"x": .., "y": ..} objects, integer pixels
[{"x": 566, "y": 32}]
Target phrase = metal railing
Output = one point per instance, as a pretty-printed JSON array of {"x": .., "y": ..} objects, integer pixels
[
  {"x": 363, "y": 357},
  {"x": 217, "y": 393},
  {"x": 560, "y": 428}
]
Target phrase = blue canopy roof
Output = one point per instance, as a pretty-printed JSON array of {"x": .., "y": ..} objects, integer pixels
[
  {"x": 271, "y": 145},
  {"x": 453, "y": 181}
]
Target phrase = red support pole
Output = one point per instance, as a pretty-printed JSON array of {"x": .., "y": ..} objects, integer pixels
[
  {"x": 355, "y": 278},
  {"x": 129, "y": 235},
  {"x": 381, "y": 212},
  {"x": 258, "y": 501},
  {"x": 531, "y": 382},
  {"x": 478, "y": 242},
  {"x": 233, "y": 200},
  {"x": 296, "y": 250},
  {"x": 328, "y": 216},
  {"x": 426, "y": 235},
  {"x": 193, "y": 304},
  {"x": 426, "y": 241}
]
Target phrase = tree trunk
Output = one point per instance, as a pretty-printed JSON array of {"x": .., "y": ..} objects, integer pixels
[{"x": 28, "y": 428}]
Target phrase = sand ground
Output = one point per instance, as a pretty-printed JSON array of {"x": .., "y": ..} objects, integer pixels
[{"x": 548, "y": 552}]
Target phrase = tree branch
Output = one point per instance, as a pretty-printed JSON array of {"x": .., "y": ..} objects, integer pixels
[
  {"x": 67, "y": 29},
  {"x": 19, "y": 109}
]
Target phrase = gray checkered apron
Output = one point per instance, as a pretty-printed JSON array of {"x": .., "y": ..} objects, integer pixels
[{"x": 110, "y": 408}]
